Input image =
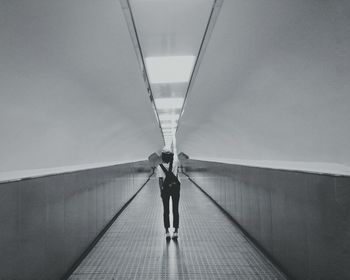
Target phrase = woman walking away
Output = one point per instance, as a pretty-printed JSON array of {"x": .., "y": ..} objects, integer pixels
[{"x": 169, "y": 186}]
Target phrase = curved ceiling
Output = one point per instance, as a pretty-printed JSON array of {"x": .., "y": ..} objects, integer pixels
[
  {"x": 273, "y": 86},
  {"x": 71, "y": 91},
  {"x": 169, "y": 37}
]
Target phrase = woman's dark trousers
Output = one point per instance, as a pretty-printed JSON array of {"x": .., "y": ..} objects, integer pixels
[{"x": 175, "y": 196}]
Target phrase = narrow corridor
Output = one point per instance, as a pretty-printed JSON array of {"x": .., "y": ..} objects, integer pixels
[{"x": 209, "y": 247}]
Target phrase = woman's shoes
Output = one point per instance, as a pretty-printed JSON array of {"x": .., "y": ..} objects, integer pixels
[
  {"x": 167, "y": 236},
  {"x": 175, "y": 235}
]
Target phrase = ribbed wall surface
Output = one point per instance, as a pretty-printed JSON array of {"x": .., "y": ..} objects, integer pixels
[
  {"x": 47, "y": 222},
  {"x": 300, "y": 219}
]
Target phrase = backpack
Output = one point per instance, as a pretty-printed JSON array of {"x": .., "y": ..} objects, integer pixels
[{"x": 171, "y": 182}]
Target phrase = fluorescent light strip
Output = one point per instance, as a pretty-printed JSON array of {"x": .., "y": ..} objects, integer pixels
[
  {"x": 168, "y": 117},
  {"x": 169, "y": 69},
  {"x": 169, "y": 103},
  {"x": 169, "y": 127},
  {"x": 168, "y": 123}
]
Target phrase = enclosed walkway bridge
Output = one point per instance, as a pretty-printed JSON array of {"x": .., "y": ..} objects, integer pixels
[{"x": 252, "y": 96}]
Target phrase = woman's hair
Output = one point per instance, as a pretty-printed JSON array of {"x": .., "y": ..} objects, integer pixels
[{"x": 167, "y": 156}]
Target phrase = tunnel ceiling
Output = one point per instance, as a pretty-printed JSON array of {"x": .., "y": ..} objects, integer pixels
[
  {"x": 168, "y": 37},
  {"x": 273, "y": 87},
  {"x": 71, "y": 91}
]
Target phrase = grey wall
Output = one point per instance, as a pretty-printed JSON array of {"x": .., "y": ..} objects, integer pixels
[
  {"x": 71, "y": 89},
  {"x": 273, "y": 85},
  {"x": 46, "y": 223},
  {"x": 301, "y": 219}
]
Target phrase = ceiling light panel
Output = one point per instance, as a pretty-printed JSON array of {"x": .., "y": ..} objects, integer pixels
[
  {"x": 168, "y": 117},
  {"x": 169, "y": 128},
  {"x": 169, "y": 125},
  {"x": 169, "y": 103},
  {"x": 169, "y": 35},
  {"x": 169, "y": 69}
]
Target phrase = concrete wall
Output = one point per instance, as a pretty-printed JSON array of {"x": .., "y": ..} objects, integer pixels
[
  {"x": 273, "y": 85},
  {"x": 301, "y": 219},
  {"x": 46, "y": 223},
  {"x": 72, "y": 92}
]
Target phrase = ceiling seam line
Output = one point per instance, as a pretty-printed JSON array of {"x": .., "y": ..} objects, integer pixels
[
  {"x": 144, "y": 71},
  {"x": 205, "y": 39}
]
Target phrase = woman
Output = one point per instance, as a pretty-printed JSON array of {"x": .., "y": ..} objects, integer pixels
[{"x": 169, "y": 186}]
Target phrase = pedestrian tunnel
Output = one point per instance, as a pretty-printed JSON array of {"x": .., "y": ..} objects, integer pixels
[{"x": 251, "y": 96}]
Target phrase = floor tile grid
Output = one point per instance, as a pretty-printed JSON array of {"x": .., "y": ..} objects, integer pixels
[
  {"x": 210, "y": 247},
  {"x": 223, "y": 258}
]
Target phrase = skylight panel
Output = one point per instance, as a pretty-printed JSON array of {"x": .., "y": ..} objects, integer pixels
[
  {"x": 169, "y": 69},
  {"x": 169, "y": 103}
]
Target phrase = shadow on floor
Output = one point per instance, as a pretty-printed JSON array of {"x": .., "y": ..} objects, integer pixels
[{"x": 173, "y": 266}]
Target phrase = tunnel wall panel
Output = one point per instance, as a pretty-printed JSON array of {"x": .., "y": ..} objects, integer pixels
[
  {"x": 46, "y": 223},
  {"x": 300, "y": 219}
]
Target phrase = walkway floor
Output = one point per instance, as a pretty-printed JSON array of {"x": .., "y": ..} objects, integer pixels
[{"x": 209, "y": 245}]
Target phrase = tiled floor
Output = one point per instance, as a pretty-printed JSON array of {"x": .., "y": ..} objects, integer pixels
[{"x": 209, "y": 246}]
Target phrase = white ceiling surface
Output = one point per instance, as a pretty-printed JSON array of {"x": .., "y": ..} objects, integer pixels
[
  {"x": 170, "y": 33},
  {"x": 170, "y": 27},
  {"x": 273, "y": 88},
  {"x": 71, "y": 89}
]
